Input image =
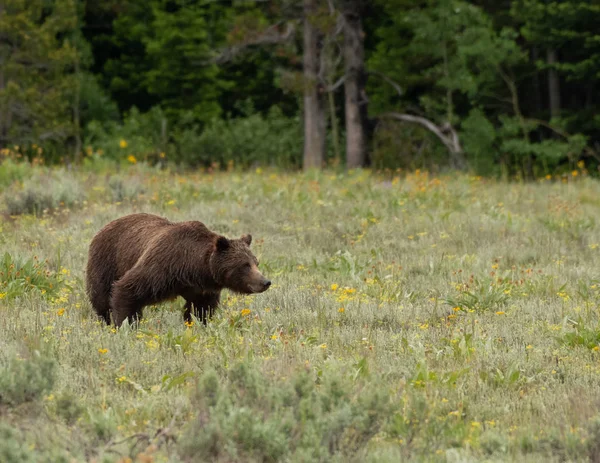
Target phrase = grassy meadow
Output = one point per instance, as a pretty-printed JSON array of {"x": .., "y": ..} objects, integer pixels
[{"x": 411, "y": 318}]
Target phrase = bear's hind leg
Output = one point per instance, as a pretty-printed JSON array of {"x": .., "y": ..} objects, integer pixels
[{"x": 202, "y": 306}]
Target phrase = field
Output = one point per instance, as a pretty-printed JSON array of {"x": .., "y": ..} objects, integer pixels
[{"x": 411, "y": 318}]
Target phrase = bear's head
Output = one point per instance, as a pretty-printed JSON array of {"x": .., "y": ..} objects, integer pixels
[{"x": 235, "y": 267}]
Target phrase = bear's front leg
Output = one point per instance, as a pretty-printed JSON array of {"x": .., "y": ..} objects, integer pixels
[
  {"x": 125, "y": 307},
  {"x": 202, "y": 306},
  {"x": 128, "y": 299}
]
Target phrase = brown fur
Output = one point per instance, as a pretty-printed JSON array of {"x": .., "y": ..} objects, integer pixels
[{"x": 143, "y": 259}]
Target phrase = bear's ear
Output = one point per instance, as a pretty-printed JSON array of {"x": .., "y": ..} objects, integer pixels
[
  {"x": 247, "y": 239},
  {"x": 222, "y": 243}
]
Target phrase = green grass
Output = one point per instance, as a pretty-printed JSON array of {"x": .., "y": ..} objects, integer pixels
[{"x": 411, "y": 319}]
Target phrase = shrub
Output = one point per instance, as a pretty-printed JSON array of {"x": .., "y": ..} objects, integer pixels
[
  {"x": 43, "y": 193},
  {"x": 254, "y": 139},
  {"x": 26, "y": 380},
  {"x": 252, "y": 418},
  {"x": 139, "y": 137},
  {"x": 13, "y": 171},
  {"x": 125, "y": 189},
  {"x": 273, "y": 139},
  {"x": 12, "y": 447}
]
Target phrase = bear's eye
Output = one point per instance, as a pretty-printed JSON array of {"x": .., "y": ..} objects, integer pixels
[{"x": 247, "y": 265}]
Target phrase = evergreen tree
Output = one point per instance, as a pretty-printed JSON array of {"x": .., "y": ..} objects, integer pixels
[{"x": 37, "y": 71}]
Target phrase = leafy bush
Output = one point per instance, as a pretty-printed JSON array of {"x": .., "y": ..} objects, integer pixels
[
  {"x": 273, "y": 139},
  {"x": 43, "y": 193},
  {"x": 122, "y": 189},
  {"x": 18, "y": 277},
  {"x": 255, "y": 139},
  {"x": 253, "y": 419},
  {"x": 141, "y": 136},
  {"x": 12, "y": 172},
  {"x": 12, "y": 447},
  {"x": 26, "y": 380}
]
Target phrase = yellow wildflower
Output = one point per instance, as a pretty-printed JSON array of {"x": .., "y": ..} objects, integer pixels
[
  {"x": 323, "y": 346},
  {"x": 575, "y": 173},
  {"x": 60, "y": 312},
  {"x": 103, "y": 351},
  {"x": 131, "y": 158},
  {"x": 122, "y": 379},
  {"x": 341, "y": 310},
  {"x": 123, "y": 144},
  {"x": 245, "y": 312},
  {"x": 500, "y": 312},
  {"x": 334, "y": 287}
]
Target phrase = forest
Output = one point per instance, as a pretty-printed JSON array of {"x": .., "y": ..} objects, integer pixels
[{"x": 492, "y": 87}]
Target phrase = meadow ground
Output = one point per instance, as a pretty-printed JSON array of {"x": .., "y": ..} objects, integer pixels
[{"x": 411, "y": 319}]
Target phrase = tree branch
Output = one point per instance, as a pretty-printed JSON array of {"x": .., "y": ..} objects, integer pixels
[
  {"x": 270, "y": 36},
  {"x": 388, "y": 80},
  {"x": 333, "y": 87},
  {"x": 446, "y": 134}
]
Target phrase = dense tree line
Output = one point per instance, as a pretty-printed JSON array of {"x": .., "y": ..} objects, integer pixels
[{"x": 495, "y": 87}]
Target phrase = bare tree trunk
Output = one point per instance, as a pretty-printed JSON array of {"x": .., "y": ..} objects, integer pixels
[
  {"x": 537, "y": 92},
  {"x": 354, "y": 88},
  {"x": 553, "y": 84},
  {"x": 314, "y": 108}
]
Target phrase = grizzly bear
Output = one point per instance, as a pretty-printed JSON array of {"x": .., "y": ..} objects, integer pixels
[{"x": 143, "y": 259}]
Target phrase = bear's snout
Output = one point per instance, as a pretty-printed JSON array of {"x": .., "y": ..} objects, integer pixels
[{"x": 260, "y": 286}]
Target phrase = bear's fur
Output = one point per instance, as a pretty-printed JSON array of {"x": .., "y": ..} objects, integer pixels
[{"x": 142, "y": 259}]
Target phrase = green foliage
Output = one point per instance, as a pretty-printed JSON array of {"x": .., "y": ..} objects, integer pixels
[
  {"x": 40, "y": 194},
  {"x": 254, "y": 417},
  {"x": 12, "y": 171},
  {"x": 141, "y": 135},
  {"x": 479, "y": 140},
  {"x": 12, "y": 446},
  {"x": 582, "y": 335},
  {"x": 37, "y": 85},
  {"x": 406, "y": 147},
  {"x": 68, "y": 407},
  {"x": 273, "y": 140},
  {"x": 252, "y": 139},
  {"x": 181, "y": 76},
  {"x": 26, "y": 380},
  {"x": 18, "y": 277}
]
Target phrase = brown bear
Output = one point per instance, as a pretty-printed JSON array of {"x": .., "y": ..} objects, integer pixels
[{"x": 142, "y": 259}]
